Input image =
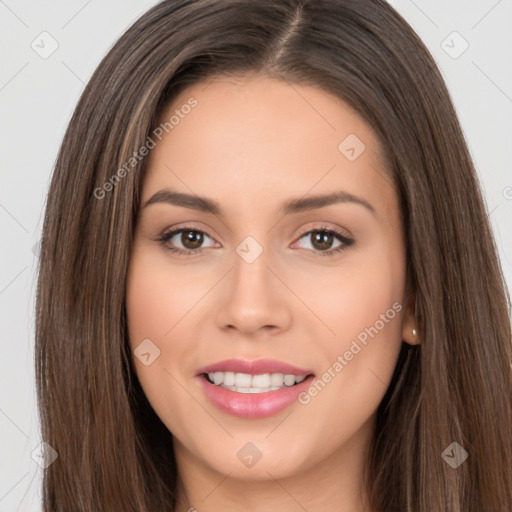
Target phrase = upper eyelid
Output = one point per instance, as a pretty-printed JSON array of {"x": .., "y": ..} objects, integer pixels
[
  {"x": 174, "y": 231},
  {"x": 325, "y": 228}
]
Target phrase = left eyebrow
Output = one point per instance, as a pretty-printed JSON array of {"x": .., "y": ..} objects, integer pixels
[
  {"x": 207, "y": 205},
  {"x": 320, "y": 201}
]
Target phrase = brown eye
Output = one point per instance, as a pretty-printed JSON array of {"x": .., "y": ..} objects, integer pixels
[
  {"x": 186, "y": 241},
  {"x": 192, "y": 239},
  {"x": 322, "y": 240}
]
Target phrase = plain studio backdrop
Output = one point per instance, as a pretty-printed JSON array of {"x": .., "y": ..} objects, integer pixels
[{"x": 50, "y": 50}]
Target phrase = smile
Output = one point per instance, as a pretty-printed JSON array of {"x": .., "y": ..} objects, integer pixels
[{"x": 253, "y": 389}]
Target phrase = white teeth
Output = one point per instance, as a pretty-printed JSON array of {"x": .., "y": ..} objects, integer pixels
[
  {"x": 276, "y": 379},
  {"x": 289, "y": 380},
  {"x": 229, "y": 378},
  {"x": 243, "y": 380},
  {"x": 245, "y": 383},
  {"x": 261, "y": 381}
]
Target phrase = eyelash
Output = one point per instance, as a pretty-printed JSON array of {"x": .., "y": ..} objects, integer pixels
[{"x": 165, "y": 237}]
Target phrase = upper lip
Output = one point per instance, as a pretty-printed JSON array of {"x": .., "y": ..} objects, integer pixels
[{"x": 257, "y": 367}]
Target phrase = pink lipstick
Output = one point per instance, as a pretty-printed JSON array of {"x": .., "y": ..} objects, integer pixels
[{"x": 253, "y": 389}]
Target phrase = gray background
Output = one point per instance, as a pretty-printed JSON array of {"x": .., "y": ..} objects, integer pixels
[{"x": 38, "y": 95}]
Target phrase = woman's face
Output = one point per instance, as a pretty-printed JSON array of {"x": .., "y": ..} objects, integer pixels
[{"x": 281, "y": 276}]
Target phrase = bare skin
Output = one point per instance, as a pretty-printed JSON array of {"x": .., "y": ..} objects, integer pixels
[{"x": 252, "y": 144}]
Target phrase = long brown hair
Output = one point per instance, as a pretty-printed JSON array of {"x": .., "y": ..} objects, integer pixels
[{"x": 456, "y": 386}]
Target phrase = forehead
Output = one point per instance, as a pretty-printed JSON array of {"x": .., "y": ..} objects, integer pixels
[{"x": 258, "y": 138}]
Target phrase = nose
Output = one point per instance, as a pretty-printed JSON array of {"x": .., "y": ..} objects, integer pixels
[{"x": 254, "y": 299}]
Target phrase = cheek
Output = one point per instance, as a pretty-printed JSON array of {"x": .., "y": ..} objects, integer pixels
[
  {"x": 368, "y": 328},
  {"x": 157, "y": 296},
  {"x": 360, "y": 359},
  {"x": 156, "y": 301},
  {"x": 353, "y": 297},
  {"x": 147, "y": 303},
  {"x": 151, "y": 307},
  {"x": 365, "y": 311}
]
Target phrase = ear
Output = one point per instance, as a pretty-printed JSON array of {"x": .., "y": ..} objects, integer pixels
[{"x": 409, "y": 322}]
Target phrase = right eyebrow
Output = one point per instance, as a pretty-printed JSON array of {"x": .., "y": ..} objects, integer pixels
[{"x": 202, "y": 204}]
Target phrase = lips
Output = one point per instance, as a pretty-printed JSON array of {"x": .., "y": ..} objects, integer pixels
[{"x": 253, "y": 404}]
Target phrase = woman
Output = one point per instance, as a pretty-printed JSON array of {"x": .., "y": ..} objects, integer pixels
[{"x": 195, "y": 350}]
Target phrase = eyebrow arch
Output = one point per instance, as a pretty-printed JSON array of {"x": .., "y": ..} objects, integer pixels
[
  {"x": 204, "y": 204},
  {"x": 319, "y": 201}
]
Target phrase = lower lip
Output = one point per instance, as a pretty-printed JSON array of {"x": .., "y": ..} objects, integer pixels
[{"x": 253, "y": 405}]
